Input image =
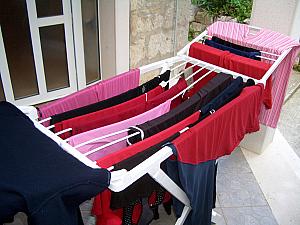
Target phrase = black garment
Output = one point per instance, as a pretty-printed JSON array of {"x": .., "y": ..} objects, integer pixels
[
  {"x": 229, "y": 44},
  {"x": 39, "y": 178},
  {"x": 251, "y": 55},
  {"x": 210, "y": 90},
  {"x": 231, "y": 92},
  {"x": 197, "y": 181},
  {"x": 128, "y": 95},
  {"x": 143, "y": 187}
]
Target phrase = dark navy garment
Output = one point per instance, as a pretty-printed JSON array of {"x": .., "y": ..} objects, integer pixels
[
  {"x": 197, "y": 181},
  {"x": 126, "y": 96},
  {"x": 251, "y": 55},
  {"x": 231, "y": 92},
  {"x": 210, "y": 90},
  {"x": 229, "y": 44},
  {"x": 38, "y": 178}
]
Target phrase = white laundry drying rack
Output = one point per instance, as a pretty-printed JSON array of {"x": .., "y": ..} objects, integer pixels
[{"x": 122, "y": 179}]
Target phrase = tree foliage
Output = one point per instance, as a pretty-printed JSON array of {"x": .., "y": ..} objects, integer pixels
[{"x": 239, "y": 9}]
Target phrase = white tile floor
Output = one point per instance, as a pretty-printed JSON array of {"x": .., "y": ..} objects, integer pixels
[{"x": 277, "y": 171}]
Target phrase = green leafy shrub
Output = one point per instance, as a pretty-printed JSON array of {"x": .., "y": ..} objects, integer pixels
[
  {"x": 296, "y": 67},
  {"x": 239, "y": 9}
]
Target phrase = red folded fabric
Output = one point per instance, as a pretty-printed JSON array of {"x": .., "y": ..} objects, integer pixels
[{"x": 220, "y": 133}]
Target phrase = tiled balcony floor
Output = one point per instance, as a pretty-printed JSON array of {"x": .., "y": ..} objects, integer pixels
[{"x": 289, "y": 124}]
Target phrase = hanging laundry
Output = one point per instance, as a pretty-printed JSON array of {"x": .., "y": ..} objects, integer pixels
[
  {"x": 228, "y": 94},
  {"x": 198, "y": 182},
  {"x": 187, "y": 108},
  {"x": 40, "y": 178},
  {"x": 118, "y": 99},
  {"x": 211, "y": 88},
  {"x": 207, "y": 54},
  {"x": 269, "y": 41},
  {"x": 95, "y": 93},
  {"x": 238, "y": 47},
  {"x": 236, "y": 119},
  {"x": 251, "y": 68},
  {"x": 117, "y": 157},
  {"x": 116, "y": 113},
  {"x": 174, "y": 90},
  {"x": 239, "y": 64},
  {"x": 251, "y": 55},
  {"x": 107, "y": 116},
  {"x": 197, "y": 148},
  {"x": 89, "y": 135},
  {"x": 143, "y": 187}
]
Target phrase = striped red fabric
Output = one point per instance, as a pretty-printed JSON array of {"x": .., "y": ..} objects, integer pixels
[{"x": 263, "y": 40}]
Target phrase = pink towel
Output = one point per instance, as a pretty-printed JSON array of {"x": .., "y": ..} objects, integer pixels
[
  {"x": 95, "y": 93},
  {"x": 269, "y": 41},
  {"x": 89, "y": 135}
]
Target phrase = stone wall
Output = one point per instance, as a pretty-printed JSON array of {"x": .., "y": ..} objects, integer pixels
[{"x": 154, "y": 34}]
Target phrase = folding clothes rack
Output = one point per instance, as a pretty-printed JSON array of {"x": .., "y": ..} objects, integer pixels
[{"x": 122, "y": 179}]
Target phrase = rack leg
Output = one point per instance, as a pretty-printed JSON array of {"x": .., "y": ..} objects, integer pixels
[{"x": 163, "y": 179}]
